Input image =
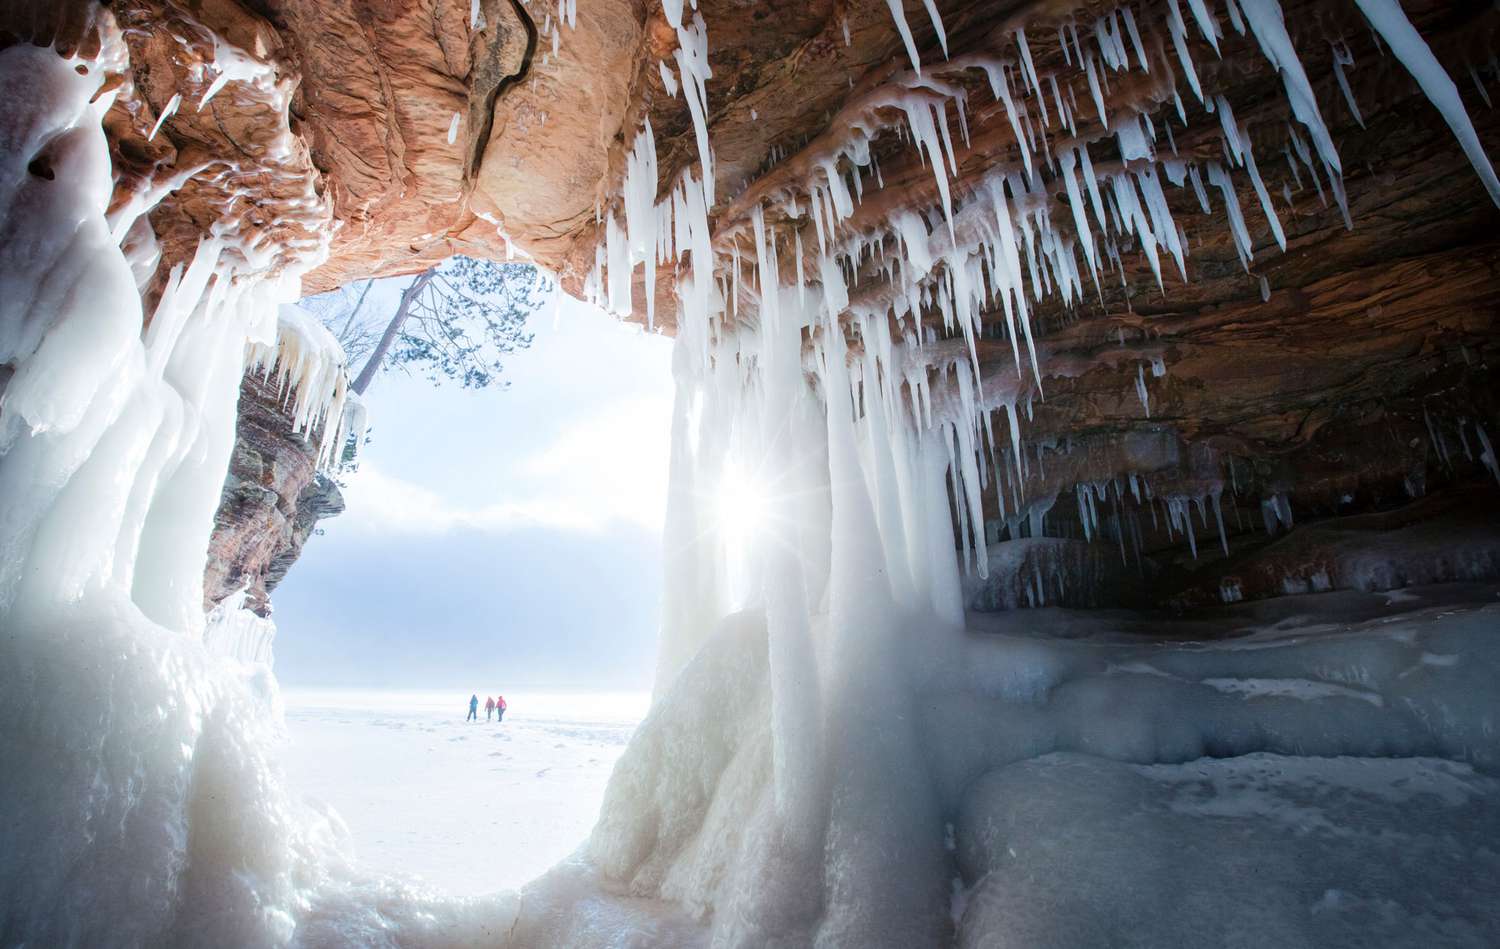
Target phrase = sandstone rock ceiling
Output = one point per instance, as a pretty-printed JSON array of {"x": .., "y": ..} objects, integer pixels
[{"x": 1332, "y": 370}]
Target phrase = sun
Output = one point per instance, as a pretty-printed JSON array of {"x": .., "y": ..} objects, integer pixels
[{"x": 742, "y": 507}]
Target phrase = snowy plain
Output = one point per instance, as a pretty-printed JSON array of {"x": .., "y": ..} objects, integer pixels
[{"x": 468, "y": 808}]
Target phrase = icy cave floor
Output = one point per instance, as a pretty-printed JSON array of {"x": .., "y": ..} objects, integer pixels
[{"x": 1311, "y": 770}]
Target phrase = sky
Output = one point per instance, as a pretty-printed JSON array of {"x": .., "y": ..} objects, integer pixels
[{"x": 496, "y": 539}]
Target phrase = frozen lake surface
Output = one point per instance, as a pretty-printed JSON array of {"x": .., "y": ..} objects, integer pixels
[{"x": 469, "y": 807}]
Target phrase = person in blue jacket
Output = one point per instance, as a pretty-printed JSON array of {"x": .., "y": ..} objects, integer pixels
[{"x": 473, "y": 708}]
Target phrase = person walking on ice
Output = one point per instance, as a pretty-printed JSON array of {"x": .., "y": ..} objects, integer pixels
[
  {"x": 489, "y": 709},
  {"x": 473, "y": 709},
  {"x": 500, "y": 708}
]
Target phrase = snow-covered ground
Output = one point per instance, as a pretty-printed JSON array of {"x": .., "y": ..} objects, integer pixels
[{"x": 469, "y": 807}]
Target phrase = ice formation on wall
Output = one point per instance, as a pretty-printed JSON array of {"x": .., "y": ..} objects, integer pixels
[
  {"x": 236, "y": 632},
  {"x": 145, "y": 754},
  {"x": 1001, "y": 244},
  {"x": 839, "y": 369}
]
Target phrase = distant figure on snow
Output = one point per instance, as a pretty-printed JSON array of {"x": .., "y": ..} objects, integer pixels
[
  {"x": 500, "y": 707},
  {"x": 489, "y": 709},
  {"x": 473, "y": 708}
]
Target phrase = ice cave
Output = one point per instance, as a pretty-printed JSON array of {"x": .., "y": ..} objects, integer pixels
[{"x": 1082, "y": 610}]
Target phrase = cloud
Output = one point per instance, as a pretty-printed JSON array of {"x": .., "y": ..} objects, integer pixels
[
  {"x": 605, "y": 468},
  {"x": 380, "y": 502}
]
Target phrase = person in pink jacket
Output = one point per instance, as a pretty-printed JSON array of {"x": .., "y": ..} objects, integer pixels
[{"x": 500, "y": 708}]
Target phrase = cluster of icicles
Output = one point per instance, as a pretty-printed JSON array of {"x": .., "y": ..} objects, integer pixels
[
  {"x": 306, "y": 365},
  {"x": 997, "y": 245}
]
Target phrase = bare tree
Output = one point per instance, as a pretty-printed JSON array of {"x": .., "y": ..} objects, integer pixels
[
  {"x": 455, "y": 321},
  {"x": 343, "y": 313}
]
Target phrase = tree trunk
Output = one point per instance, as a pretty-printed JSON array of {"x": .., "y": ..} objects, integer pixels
[{"x": 372, "y": 365}]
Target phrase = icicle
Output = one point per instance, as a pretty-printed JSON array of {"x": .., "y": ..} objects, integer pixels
[
  {"x": 1388, "y": 19},
  {"x": 166, "y": 113},
  {"x": 1219, "y": 519},
  {"x": 1001, "y": 91},
  {"x": 692, "y": 64},
  {"x": 1197, "y": 182},
  {"x": 640, "y": 212},
  {"x": 1135, "y": 38},
  {"x": 1479, "y": 86},
  {"x": 1092, "y": 182},
  {"x": 1266, "y": 20},
  {"x": 1487, "y": 455},
  {"x": 937, "y": 24},
  {"x": 1093, "y": 77},
  {"x": 1343, "y": 57},
  {"x": 1035, "y": 82},
  {"x": 919, "y": 116},
  {"x": 1438, "y": 445},
  {"x": 1235, "y": 19},
  {"x": 898, "y": 14},
  {"x": 1206, "y": 23},
  {"x": 1178, "y": 29},
  {"x": 1080, "y": 221},
  {"x": 1265, "y": 199},
  {"x": 667, "y": 79},
  {"x": 1012, "y": 262},
  {"x": 1218, "y": 176},
  {"x": 797, "y": 250}
]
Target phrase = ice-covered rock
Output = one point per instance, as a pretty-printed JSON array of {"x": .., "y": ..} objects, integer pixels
[{"x": 1262, "y": 849}]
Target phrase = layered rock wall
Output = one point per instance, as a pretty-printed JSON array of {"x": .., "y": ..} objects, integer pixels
[
  {"x": 1348, "y": 372},
  {"x": 274, "y": 498}
]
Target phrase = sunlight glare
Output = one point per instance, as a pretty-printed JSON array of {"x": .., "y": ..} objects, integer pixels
[{"x": 742, "y": 508}]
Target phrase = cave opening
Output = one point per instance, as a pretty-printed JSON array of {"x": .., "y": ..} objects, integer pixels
[{"x": 469, "y": 547}]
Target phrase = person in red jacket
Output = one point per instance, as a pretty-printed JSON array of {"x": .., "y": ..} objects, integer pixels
[
  {"x": 500, "y": 708},
  {"x": 489, "y": 708}
]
